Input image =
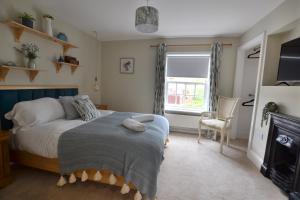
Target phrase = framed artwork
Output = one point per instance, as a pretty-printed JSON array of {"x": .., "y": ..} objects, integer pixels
[{"x": 126, "y": 65}]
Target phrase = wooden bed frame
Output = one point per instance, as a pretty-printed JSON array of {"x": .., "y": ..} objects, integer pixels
[{"x": 49, "y": 164}]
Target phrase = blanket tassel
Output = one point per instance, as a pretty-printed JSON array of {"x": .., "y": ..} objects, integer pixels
[
  {"x": 72, "y": 178},
  {"x": 84, "y": 176},
  {"x": 61, "y": 182},
  {"x": 112, "y": 179},
  {"x": 125, "y": 189},
  {"x": 97, "y": 176},
  {"x": 138, "y": 196}
]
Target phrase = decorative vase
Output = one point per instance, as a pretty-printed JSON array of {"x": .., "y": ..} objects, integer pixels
[
  {"x": 62, "y": 36},
  {"x": 31, "y": 64},
  {"x": 27, "y": 22},
  {"x": 48, "y": 26}
]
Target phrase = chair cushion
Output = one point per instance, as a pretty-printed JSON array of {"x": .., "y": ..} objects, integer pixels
[{"x": 214, "y": 123}]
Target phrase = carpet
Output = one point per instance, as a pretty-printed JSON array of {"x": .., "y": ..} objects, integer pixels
[{"x": 190, "y": 171}]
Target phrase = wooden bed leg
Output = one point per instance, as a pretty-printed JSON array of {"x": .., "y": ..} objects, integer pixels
[
  {"x": 144, "y": 197},
  {"x": 147, "y": 198}
]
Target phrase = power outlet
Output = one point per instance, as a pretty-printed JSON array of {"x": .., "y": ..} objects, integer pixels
[{"x": 261, "y": 136}]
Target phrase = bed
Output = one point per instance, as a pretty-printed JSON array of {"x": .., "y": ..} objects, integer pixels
[{"x": 27, "y": 149}]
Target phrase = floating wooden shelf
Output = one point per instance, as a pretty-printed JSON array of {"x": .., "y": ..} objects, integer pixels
[
  {"x": 18, "y": 30},
  {"x": 59, "y": 65},
  {"x": 32, "y": 73}
]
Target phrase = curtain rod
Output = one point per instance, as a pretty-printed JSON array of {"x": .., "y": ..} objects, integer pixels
[{"x": 190, "y": 45}]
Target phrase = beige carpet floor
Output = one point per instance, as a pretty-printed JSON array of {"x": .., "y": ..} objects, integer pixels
[{"x": 190, "y": 171}]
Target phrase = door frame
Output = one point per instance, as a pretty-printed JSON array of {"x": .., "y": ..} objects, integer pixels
[{"x": 237, "y": 90}]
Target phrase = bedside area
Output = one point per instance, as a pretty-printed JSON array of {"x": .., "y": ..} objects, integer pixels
[{"x": 5, "y": 172}]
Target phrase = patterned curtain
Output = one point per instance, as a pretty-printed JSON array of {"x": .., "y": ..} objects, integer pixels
[
  {"x": 159, "y": 98},
  {"x": 215, "y": 63}
]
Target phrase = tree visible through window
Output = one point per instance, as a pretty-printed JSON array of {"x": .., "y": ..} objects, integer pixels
[{"x": 187, "y": 82}]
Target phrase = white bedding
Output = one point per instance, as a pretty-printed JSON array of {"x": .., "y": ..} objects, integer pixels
[{"x": 42, "y": 139}]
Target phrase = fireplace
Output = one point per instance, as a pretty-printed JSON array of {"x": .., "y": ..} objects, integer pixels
[{"x": 281, "y": 161}]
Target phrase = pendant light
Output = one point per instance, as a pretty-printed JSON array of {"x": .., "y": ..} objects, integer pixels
[{"x": 146, "y": 19}]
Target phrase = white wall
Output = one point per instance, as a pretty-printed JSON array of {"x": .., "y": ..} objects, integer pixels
[
  {"x": 272, "y": 59},
  {"x": 284, "y": 14},
  {"x": 87, "y": 52},
  {"x": 248, "y": 87},
  {"x": 183, "y": 122},
  {"x": 293, "y": 33},
  {"x": 128, "y": 92},
  {"x": 136, "y": 92},
  {"x": 286, "y": 97}
]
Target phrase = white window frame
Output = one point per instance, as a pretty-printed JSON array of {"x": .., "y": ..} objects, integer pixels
[{"x": 178, "y": 110}]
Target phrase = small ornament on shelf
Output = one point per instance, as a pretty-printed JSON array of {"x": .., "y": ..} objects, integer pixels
[
  {"x": 71, "y": 60},
  {"x": 27, "y": 19},
  {"x": 29, "y": 51},
  {"x": 61, "y": 59},
  {"x": 47, "y": 24},
  {"x": 62, "y": 36}
]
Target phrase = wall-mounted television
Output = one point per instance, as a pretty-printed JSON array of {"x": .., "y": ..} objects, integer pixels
[{"x": 289, "y": 63}]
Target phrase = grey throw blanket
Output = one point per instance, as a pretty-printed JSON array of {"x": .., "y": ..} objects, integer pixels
[{"x": 105, "y": 144}]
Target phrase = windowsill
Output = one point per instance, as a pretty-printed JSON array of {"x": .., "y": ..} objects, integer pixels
[{"x": 183, "y": 112}]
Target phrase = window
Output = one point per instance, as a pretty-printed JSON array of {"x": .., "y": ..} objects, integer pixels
[{"x": 187, "y": 82}]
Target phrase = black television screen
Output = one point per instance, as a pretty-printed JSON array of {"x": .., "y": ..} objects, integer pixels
[{"x": 289, "y": 63}]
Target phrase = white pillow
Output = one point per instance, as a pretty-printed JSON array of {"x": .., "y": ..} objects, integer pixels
[{"x": 30, "y": 113}]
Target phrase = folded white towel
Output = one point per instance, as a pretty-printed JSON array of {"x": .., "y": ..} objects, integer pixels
[
  {"x": 133, "y": 125},
  {"x": 143, "y": 117}
]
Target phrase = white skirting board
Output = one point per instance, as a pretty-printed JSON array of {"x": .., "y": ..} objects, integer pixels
[{"x": 255, "y": 159}]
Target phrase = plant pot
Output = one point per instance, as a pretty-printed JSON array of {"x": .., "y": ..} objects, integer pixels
[
  {"x": 27, "y": 22},
  {"x": 31, "y": 64},
  {"x": 47, "y": 26}
]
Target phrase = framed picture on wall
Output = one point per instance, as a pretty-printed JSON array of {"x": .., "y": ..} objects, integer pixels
[{"x": 126, "y": 65}]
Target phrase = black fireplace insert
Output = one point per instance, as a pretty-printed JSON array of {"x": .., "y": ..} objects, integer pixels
[{"x": 281, "y": 161}]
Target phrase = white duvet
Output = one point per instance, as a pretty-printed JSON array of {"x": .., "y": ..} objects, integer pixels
[{"x": 42, "y": 139}]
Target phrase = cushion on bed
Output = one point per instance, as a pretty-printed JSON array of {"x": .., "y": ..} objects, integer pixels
[
  {"x": 30, "y": 113},
  {"x": 70, "y": 110},
  {"x": 86, "y": 108}
]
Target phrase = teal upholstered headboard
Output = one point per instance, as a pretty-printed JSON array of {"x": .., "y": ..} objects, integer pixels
[{"x": 10, "y": 95}]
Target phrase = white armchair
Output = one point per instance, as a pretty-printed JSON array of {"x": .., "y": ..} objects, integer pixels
[{"x": 219, "y": 121}]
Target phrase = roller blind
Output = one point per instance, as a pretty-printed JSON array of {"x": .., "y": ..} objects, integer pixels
[{"x": 195, "y": 66}]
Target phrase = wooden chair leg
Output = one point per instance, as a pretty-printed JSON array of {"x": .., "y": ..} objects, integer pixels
[
  {"x": 228, "y": 137},
  {"x": 222, "y": 141},
  {"x": 199, "y": 130},
  {"x": 215, "y": 135}
]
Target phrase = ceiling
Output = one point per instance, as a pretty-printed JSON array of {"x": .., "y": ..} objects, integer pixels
[{"x": 114, "y": 19}]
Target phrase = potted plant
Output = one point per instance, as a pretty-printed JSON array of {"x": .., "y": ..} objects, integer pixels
[
  {"x": 30, "y": 51},
  {"x": 47, "y": 24},
  {"x": 27, "y": 19}
]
